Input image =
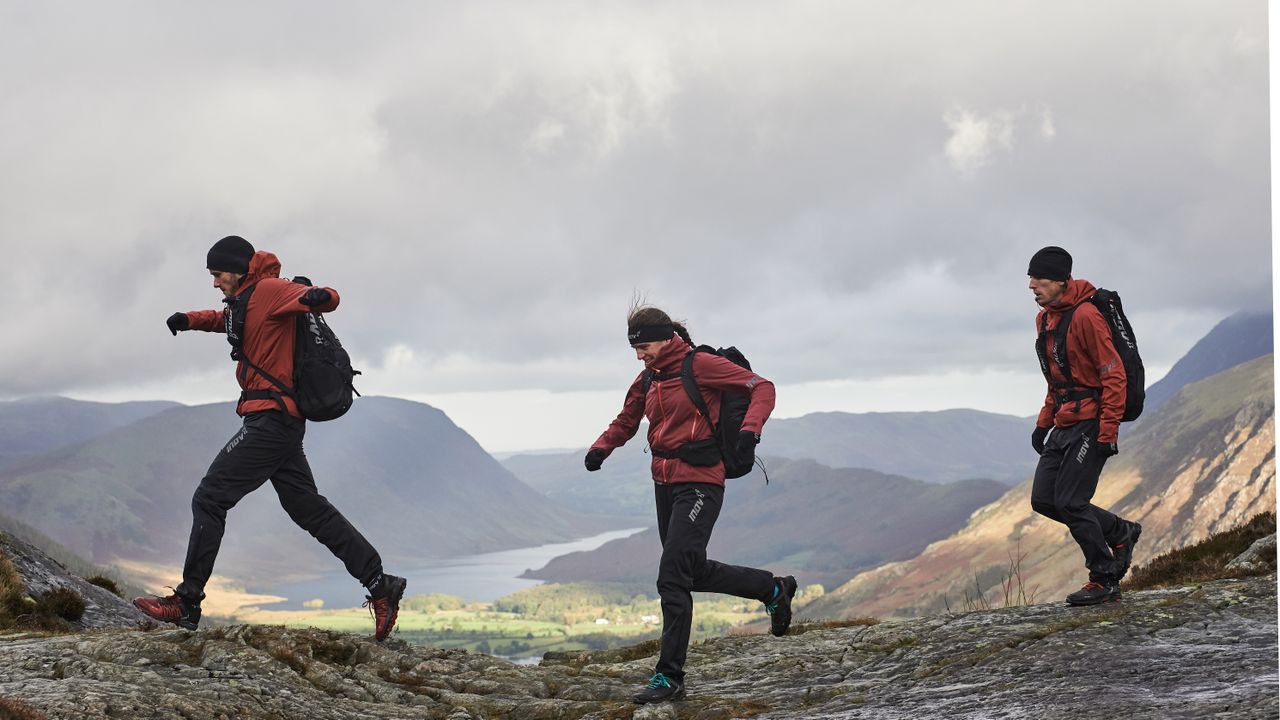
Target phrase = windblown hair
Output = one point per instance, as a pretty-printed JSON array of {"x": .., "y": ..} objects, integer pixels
[{"x": 648, "y": 315}]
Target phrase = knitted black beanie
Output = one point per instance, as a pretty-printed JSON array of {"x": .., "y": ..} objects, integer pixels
[
  {"x": 230, "y": 254},
  {"x": 1050, "y": 263}
]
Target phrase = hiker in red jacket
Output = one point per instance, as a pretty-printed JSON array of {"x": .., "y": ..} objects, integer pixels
[
  {"x": 269, "y": 446},
  {"x": 689, "y": 492},
  {"x": 1083, "y": 408}
]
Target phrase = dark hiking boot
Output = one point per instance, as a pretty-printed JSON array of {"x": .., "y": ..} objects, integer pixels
[
  {"x": 1095, "y": 593},
  {"x": 171, "y": 609},
  {"x": 660, "y": 689},
  {"x": 384, "y": 604},
  {"x": 1123, "y": 549},
  {"x": 779, "y": 607}
]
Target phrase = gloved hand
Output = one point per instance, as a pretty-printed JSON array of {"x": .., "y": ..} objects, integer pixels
[
  {"x": 747, "y": 441},
  {"x": 1037, "y": 439},
  {"x": 595, "y": 458},
  {"x": 176, "y": 322},
  {"x": 315, "y": 296},
  {"x": 1109, "y": 449}
]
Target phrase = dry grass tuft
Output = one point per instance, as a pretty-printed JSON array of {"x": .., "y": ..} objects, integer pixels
[
  {"x": 11, "y": 709},
  {"x": 1206, "y": 560}
]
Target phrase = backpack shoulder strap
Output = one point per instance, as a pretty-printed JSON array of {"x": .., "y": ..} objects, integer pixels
[
  {"x": 234, "y": 321},
  {"x": 690, "y": 384},
  {"x": 1059, "y": 354}
]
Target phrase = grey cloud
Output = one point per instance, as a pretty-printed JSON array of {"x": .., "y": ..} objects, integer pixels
[{"x": 493, "y": 183}]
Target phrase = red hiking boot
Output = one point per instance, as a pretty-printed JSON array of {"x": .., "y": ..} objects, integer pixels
[
  {"x": 384, "y": 605},
  {"x": 171, "y": 609}
]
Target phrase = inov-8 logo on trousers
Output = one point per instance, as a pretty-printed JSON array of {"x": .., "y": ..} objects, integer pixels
[
  {"x": 1084, "y": 450},
  {"x": 697, "y": 507}
]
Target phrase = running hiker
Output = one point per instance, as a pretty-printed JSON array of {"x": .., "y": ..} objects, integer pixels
[
  {"x": 689, "y": 496},
  {"x": 269, "y": 446},
  {"x": 1083, "y": 409}
]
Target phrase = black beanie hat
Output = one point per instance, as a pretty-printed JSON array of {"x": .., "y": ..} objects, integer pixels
[
  {"x": 230, "y": 254},
  {"x": 1050, "y": 263}
]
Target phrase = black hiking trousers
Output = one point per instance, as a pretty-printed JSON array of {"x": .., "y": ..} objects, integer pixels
[
  {"x": 1065, "y": 481},
  {"x": 686, "y": 514},
  {"x": 268, "y": 447}
]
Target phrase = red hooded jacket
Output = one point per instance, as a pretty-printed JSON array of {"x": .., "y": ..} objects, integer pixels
[
  {"x": 673, "y": 418},
  {"x": 1093, "y": 360},
  {"x": 268, "y": 329}
]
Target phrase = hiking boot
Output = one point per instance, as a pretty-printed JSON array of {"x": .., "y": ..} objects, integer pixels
[
  {"x": 660, "y": 689},
  {"x": 171, "y": 609},
  {"x": 1095, "y": 593},
  {"x": 1123, "y": 550},
  {"x": 384, "y": 604},
  {"x": 779, "y": 607}
]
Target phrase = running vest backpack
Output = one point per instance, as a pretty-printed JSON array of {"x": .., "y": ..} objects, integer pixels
[
  {"x": 723, "y": 445},
  {"x": 321, "y": 383},
  {"x": 1126, "y": 343}
]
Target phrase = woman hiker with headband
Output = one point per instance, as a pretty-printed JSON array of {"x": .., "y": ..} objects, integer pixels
[{"x": 688, "y": 496}]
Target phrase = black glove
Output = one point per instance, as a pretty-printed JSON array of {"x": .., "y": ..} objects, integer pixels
[
  {"x": 1109, "y": 449},
  {"x": 595, "y": 458},
  {"x": 176, "y": 322},
  {"x": 315, "y": 296},
  {"x": 747, "y": 441},
  {"x": 1037, "y": 439}
]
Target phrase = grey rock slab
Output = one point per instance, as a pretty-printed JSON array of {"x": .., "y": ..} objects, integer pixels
[
  {"x": 40, "y": 573},
  {"x": 1206, "y": 651}
]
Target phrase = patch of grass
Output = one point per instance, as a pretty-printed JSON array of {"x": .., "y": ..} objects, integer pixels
[
  {"x": 1206, "y": 560},
  {"x": 11, "y": 709},
  {"x": 105, "y": 583},
  {"x": 14, "y": 602},
  {"x": 62, "y": 603}
]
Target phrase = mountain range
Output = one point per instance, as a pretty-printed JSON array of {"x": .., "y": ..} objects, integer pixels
[
  {"x": 114, "y": 482},
  {"x": 1211, "y": 396},
  {"x": 1202, "y": 462},
  {"x": 819, "y": 523},
  {"x": 413, "y": 482},
  {"x": 33, "y": 426}
]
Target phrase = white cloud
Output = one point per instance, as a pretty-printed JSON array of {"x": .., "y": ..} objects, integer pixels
[{"x": 976, "y": 139}]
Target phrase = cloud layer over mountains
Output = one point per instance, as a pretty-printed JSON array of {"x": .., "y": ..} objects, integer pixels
[{"x": 489, "y": 184}]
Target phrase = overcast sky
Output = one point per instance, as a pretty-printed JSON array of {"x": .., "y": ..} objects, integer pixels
[{"x": 847, "y": 191}]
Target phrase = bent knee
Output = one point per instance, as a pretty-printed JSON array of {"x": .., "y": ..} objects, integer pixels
[{"x": 1045, "y": 507}]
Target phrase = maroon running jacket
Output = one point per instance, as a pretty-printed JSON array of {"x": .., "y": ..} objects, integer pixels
[
  {"x": 1093, "y": 360},
  {"x": 673, "y": 418},
  {"x": 269, "y": 329}
]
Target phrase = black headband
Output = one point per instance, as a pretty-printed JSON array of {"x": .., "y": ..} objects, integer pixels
[{"x": 650, "y": 333}]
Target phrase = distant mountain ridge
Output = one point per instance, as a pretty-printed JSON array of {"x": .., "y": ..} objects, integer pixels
[
  {"x": 1202, "y": 462},
  {"x": 821, "y": 524},
  {"x": 408, "y": 478},
  {"x": 1237, "y": 339},
  {"x": 32, "y": 426}
]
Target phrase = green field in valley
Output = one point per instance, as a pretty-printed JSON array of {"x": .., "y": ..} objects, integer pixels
[{"x": 528, "y": 623}]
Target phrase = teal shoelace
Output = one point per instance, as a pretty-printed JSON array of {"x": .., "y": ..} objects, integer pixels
[{"x": 658, "y": 680}]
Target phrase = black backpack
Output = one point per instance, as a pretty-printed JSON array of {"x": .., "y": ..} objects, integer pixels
[
  {"x": 1126, "y": 344},
  {"x": 322, "y": 373},
  {"x": 723, "y": 445}
]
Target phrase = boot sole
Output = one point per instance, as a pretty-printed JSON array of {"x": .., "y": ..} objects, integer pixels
[{"x": 1104, "y": 601}]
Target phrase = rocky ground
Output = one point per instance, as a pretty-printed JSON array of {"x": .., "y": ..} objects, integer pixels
[{"x": 1195, "y": 652}]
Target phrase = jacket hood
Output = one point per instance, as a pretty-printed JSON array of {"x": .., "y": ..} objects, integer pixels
[
  {"x": 262, "y": 265},
  {"x": 671, "y": 355},
  {"x": 1077, "y": 292}
]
